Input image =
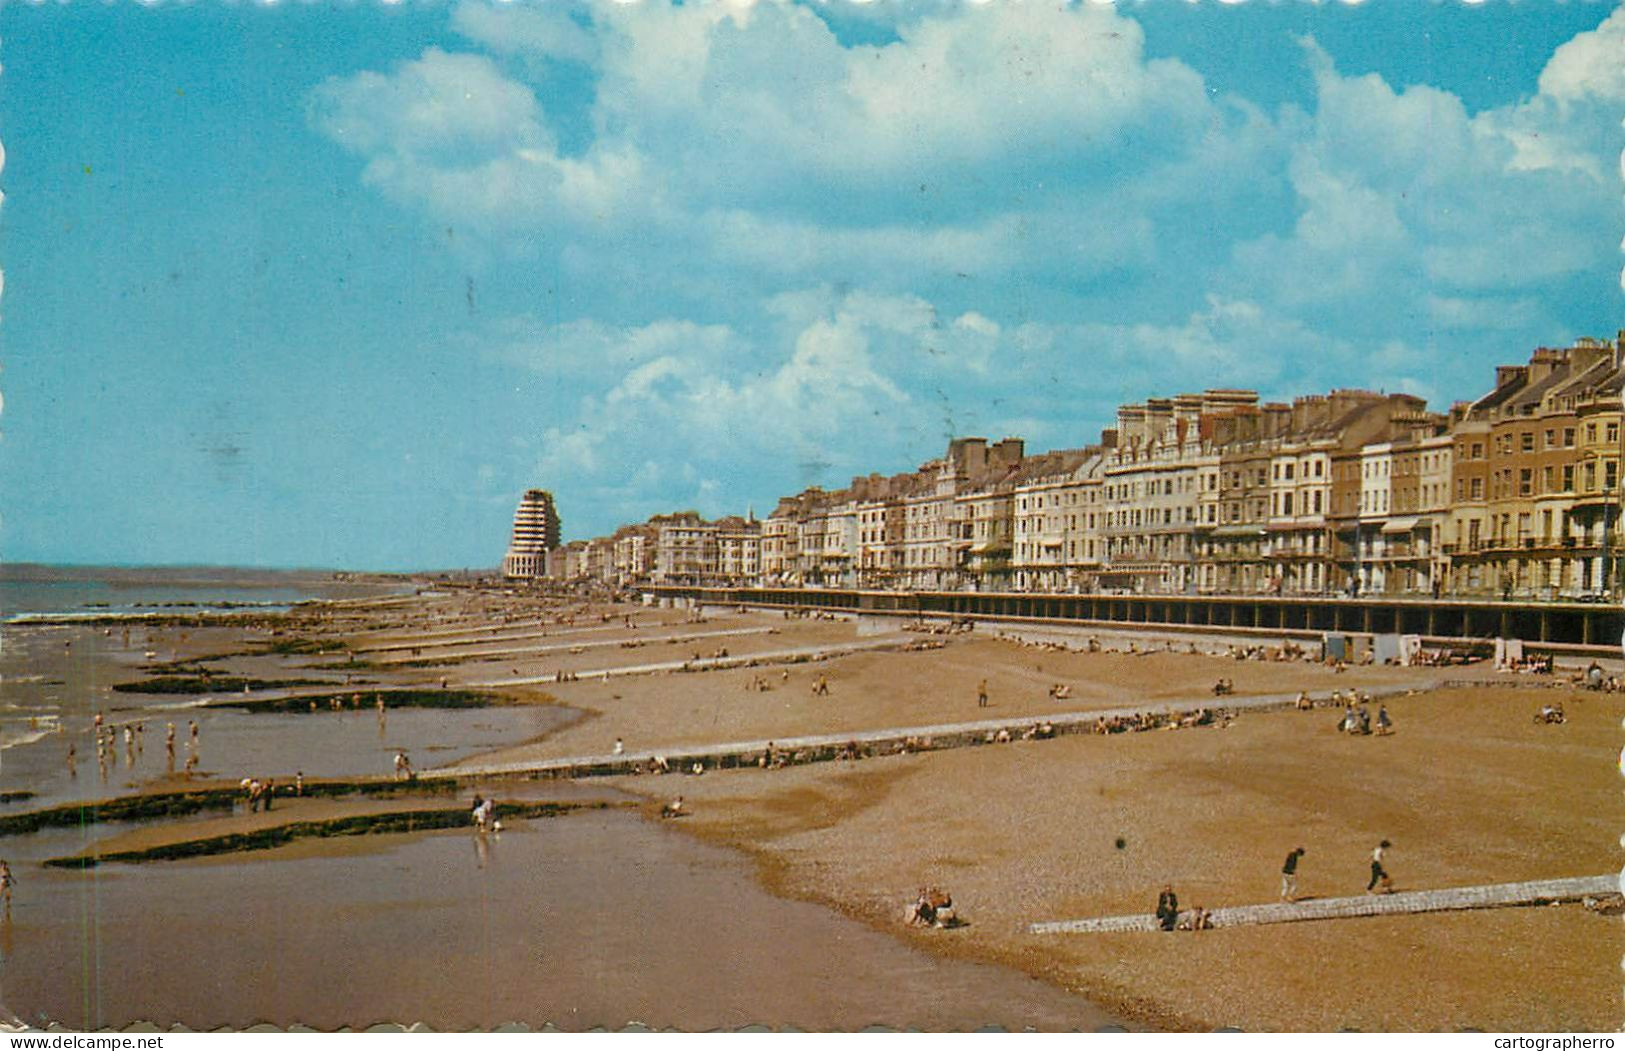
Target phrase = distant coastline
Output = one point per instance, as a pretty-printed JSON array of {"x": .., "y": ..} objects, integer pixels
[{"x": 36, "y": 593}]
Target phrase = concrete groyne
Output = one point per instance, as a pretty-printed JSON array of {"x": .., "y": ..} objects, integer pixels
[
  {"x": 871, "y": 743},
  {"x": 1489, "y": 896}
]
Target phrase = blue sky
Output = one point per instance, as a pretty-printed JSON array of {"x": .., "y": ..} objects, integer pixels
[{"x": 330, "y": 285}]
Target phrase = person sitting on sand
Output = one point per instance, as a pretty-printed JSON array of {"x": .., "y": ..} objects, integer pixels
[
  {"x": 920, "y": 913},
  {"x": 1167, "y": 908},
  {"x": 673, "y": 808},
  {"x": 1303, "y": 702}
]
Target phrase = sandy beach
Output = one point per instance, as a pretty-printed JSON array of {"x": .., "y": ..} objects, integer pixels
[{"x": 1469, "y": 789}]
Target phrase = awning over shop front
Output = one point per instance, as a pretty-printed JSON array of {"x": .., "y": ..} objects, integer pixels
[
  {"x": 1402, "y": 524},
  {"x": 1238, "y": 530}
]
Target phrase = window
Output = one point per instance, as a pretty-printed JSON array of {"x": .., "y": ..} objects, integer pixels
[
  {"x": 1568, "y": 437},
  {"x": 1551, "y": 438},
  {"x": 1476, "y": 487},
  {"x": 1612, "y": 436},
  {"x": 1591, "y": 434},
  {"x": 1568, "y": 477},
  {"x": 1527, "y": 440},
  {"x": 1546, "y": 477},
  {"x": 1478, "y": 451},
  {"x": 1610, "y": 470},
  {"x": 1591, "y": 476}
]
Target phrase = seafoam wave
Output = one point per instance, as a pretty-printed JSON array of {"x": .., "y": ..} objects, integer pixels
[{"x": 29, "y": 731}]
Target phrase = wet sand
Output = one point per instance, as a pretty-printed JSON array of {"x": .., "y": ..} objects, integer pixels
[{"x": 596, "y": 919}]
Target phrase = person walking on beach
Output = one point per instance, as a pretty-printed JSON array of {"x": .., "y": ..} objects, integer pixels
[
  {"x": 1385, "y": 725},
  {"x": 270, "y": 792},
  {"x": 620, "y": 748},
  {"x": 192, "y": 726},
  {"x": 822, "y": 688},
  {"x": 403, "y": 766},
  {"x": 981, "y": 694},
  {"x": 1381, "y": 882},
  {"x": 72, "y": 752},
  {"x": 6, "y": 881},
  {"x": 1289, "y": 875},
  {"x": 299, "y": 783}
]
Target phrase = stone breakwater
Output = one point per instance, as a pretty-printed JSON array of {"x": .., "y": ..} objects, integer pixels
[
  {"x": 154, "y": 806},
  {"x": 397, "y": 821}
]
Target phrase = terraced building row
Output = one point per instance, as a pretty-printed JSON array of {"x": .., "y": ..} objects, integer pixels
[{"x": 1514, "y": 494}]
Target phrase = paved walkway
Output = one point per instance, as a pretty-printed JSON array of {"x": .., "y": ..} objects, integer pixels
[
  {"x": 1491, "y": 896},
  {"x": 827, "y": 747}
]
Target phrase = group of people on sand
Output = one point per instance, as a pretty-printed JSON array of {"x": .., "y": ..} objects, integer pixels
[
  {"x": 1357, "y": 718},
  {"x": 1169, "y": 917},
  {"x": 260, "y": 793},
  {"x": 1551, "y": 714},
  {"x": 1596, "y": 679}
]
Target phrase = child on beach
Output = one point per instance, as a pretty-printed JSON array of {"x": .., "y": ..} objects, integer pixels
[{"x": 1381, "y": 882}]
